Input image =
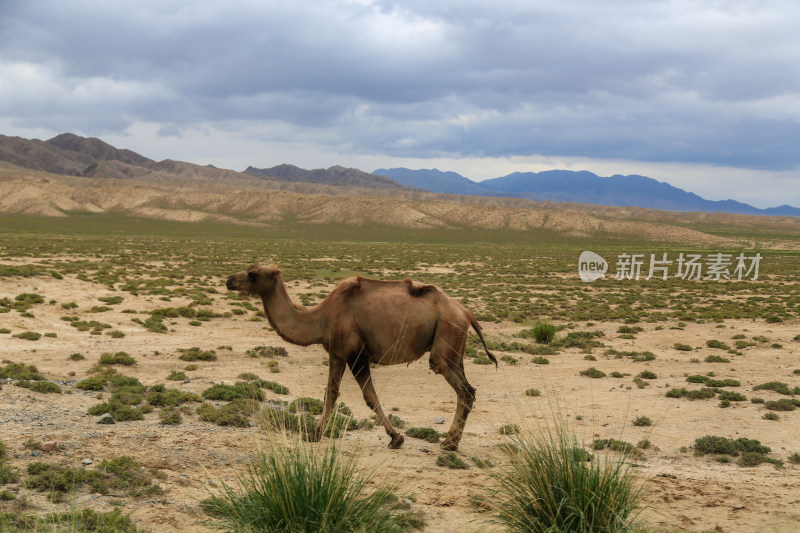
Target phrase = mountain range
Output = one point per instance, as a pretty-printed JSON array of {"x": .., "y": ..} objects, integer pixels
[
  {"x": 579, "y": 187},
  {"x": 72, "y": 155}
]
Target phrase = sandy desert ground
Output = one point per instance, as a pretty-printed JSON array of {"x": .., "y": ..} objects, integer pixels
[{"x": 683, "y": 491}]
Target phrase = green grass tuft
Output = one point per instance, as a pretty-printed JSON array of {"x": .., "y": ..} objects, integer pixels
[
  {"x": 546, "y": 486},
  {"x": 300, "y": 488}
]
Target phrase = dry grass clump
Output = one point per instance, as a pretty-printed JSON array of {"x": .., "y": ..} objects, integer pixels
[
  {"x": 297, "y": 487},
  {"x": 552, "y": 484}
]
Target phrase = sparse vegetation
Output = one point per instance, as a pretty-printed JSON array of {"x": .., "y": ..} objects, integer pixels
[{"x": 528, "y": 282}]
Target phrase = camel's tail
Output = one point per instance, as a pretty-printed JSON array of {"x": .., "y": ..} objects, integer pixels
[{"x": 477, "y": 328}]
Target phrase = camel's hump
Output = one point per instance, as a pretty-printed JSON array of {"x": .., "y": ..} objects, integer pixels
[{"x": 359, "y": 283}]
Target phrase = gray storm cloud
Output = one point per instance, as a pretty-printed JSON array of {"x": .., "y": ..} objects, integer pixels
[{"x": 694, "y": 82}]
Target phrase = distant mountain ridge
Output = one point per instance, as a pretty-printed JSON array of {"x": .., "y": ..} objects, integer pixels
[
  {"x": 335, "y": 175},
  {"x": 72, "y": 155},
  {"x": 580, "y": 187}
]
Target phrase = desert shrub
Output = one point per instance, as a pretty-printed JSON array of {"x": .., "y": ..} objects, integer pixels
[
  {"x": 28, "y": 336},
  {"x": 160, "y": 396},
  {"x": 711, "y": 382},
  {"x": 235, "y": 413},
  {"x": 44, "y": 387},
  {"x": 282, "y": 420},
  {"x": 92, "y": 326},
  {"x": 794, "y": 458},
  {"x": 642, "y": 421},
  {"x": 8, "y": 473},
  {"x": 267, "y": 351},
  {"x": 682, "y": 347},
  {"x": 784, "y": 404},
  {"x": 305, "y": 489},
  {"x": 196, "y": 354},
  {"x": 771, "y": 416},
  {"x": 539, "y": 360},
  {"x": 713, "y": 343},
  {"x": 717, "y": 359},
  {"x": 170, "y": 416},
  {"x": 586, "y": 340},
  {"x": 509, "y": 360},
  {"x": 233, "y": 392},
  {"x": 177, "y": 375},
  {"x": 647, "y": 374},
  {"x": 616, "y": 445},
  {"x": 76, "y": 357},
  {"x": 307, "y": 404},
  {"x": 84, "y": 520},
  {"x": 247, "y": 376},
  {"x": 95, "y": 383},
  {"x": 118, "y": 358},
  {"x": 118, "y": 475},
  {"x": 755, "y": 459},
  {"x": 636, "y": 356},
  {"x": 427, "y": 434},
  {"x": 701, "y": 394},
  {"x": 20, "y": 371},
  {"x": 546, "y": 486},
  {"x": 723, "y": 445},
  {"x": 592, "y": 372},
  {"x": 338, "y": 424},
  {"x": 277, "y": 388},
  {"x": 732, "y": 396},
  {"x": 778, "y": 387},
  {"x": 451, "y": 460},
  {"x": 533, "y": 392}
]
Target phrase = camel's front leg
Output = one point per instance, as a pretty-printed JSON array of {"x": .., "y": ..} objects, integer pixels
[
  {"x": 359, "y": 365},
  {"x": 336, "y": 368}
]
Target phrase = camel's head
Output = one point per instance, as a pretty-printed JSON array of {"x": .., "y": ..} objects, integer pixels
[{"x": 257, "y": 280}]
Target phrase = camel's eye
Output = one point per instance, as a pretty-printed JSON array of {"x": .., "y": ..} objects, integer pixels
[{"x": 252, "y": 276}]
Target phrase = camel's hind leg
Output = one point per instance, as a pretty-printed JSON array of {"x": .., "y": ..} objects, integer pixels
[
  {"x": 359, "y": 365},
  {"x": 447, "y": 359},
  {"x": 335, "y": 372}
]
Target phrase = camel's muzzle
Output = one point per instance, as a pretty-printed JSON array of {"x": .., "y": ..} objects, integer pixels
[{"x": 230, "y": 284}]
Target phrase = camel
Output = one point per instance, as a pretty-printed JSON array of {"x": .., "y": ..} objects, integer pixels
[{"x": 365, "y": 321}]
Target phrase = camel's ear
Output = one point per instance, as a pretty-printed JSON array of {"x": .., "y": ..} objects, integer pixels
[{"x": 273, "y": 271}]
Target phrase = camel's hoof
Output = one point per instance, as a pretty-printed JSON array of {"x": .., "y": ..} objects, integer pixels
[
  {"x": 397, "y": 441},
  {"x": 449, "y": 445}
]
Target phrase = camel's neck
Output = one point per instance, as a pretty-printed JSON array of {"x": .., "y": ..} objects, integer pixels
[{"x": 294, "y": 324}]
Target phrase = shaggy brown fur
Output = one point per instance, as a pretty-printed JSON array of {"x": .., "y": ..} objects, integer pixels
[{"x": 366, "y": 321}]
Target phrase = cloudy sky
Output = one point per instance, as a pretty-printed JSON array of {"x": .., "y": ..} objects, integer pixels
[{"x": 702, "y": 94}]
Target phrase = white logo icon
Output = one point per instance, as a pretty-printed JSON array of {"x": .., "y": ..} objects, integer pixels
[{"x": 591, "y": 266}]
